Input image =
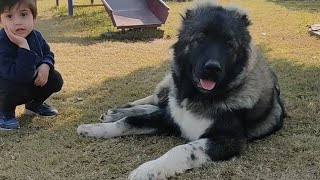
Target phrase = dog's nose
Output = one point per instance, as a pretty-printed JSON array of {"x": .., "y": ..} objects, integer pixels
[{"x": 213, "y": 66}]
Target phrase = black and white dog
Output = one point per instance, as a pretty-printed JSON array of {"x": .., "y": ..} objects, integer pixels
[{"x": 219, "y": 94}]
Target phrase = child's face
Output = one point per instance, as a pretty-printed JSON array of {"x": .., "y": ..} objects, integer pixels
[{"x": 18, "y": 19}]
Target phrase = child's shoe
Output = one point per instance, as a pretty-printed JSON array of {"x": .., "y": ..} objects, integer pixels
[
  {"x": 41, "y": 109},
  {"x": 8, "y": 122}
]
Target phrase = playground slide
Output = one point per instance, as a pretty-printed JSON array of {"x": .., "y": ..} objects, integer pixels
[{"x": 136, "y": 13}]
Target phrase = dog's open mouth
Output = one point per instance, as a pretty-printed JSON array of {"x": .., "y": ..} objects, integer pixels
[{"x": 206, "y": 84}]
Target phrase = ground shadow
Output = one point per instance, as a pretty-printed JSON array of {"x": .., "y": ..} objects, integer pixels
[
  {"x": 133, "y": 35},
  {"x": 311, "y": 6},
  {"x": 299, "y": 89},
  {"x": 114, "y": 158}
]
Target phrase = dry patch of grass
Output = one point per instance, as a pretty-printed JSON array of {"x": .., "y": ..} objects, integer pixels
[{"x": 102, "y": 73}]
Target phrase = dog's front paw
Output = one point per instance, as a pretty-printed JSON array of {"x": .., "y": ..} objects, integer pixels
[
  {"x": 92, "y": 130},
  {"x": 112, "y": 115},
  {"x": 149, "y": 171},
  {"x": 106, "y": 117}
]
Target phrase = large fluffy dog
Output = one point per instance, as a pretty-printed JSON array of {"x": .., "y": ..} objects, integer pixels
[{"x": 219, "y": 94}]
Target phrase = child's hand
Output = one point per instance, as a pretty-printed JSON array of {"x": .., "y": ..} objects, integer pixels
[
  {"x": 18, "y": 40},
  {"x": 43, "y": 74}
]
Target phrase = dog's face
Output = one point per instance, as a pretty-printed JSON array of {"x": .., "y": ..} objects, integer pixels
[{"x": 212, "y": 50}]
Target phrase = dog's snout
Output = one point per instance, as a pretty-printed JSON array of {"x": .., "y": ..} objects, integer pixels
[{"x": 213, "y": 66}]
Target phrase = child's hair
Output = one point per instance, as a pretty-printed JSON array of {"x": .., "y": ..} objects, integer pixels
[{"x": 4, "y": 4}]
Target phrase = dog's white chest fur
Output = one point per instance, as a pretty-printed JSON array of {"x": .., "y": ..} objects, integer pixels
[{"x": 191, "y": 126}]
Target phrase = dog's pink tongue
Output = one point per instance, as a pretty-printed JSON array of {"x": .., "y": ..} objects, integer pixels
[{"x": 206, "y": 84}]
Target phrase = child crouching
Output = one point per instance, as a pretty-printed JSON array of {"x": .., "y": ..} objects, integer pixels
[{"x": 27, "y": 74}]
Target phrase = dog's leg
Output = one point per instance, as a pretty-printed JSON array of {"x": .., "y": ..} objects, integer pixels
[
  {"x": 187, "y": 156},
  {"x": 117, "y": 114},
  {"x": 155, "y": 122},
  {"x": 147, "y": 100},
  {"x": 113, "y": 129},
  {"x": 175, "y": 161}
]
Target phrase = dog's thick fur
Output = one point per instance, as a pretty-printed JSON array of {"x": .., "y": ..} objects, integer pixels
[{"x": 219, "y": 95}]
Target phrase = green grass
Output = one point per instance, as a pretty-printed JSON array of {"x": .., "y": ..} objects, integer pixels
[
  {"x": 305, "y": 5},
  {"x": 105, "y": 72}
]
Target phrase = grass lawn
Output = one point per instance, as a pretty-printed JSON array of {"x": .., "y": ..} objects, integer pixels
[{"x": 103, "y": 72}]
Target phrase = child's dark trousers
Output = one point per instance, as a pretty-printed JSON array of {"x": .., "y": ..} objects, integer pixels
[{"x": 13, "y": 94}]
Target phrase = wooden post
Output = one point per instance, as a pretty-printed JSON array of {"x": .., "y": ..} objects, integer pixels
[
  {"x": 70, "y": 7},
  {"x": 57, "y": 2}
]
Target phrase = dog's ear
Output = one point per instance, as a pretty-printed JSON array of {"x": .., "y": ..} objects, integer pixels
[
  {"x": 245, "y": 19},
  {"x": 187, "y": 15},
  {"x": 242, "y": 14}
]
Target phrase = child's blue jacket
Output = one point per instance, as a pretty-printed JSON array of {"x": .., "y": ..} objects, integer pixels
[{"x": 19, "y": 64}]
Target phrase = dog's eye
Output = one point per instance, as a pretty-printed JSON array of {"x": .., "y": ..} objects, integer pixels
[
  {"x": 201, "y": 40},
  {"x": 198, "y": 40}
]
